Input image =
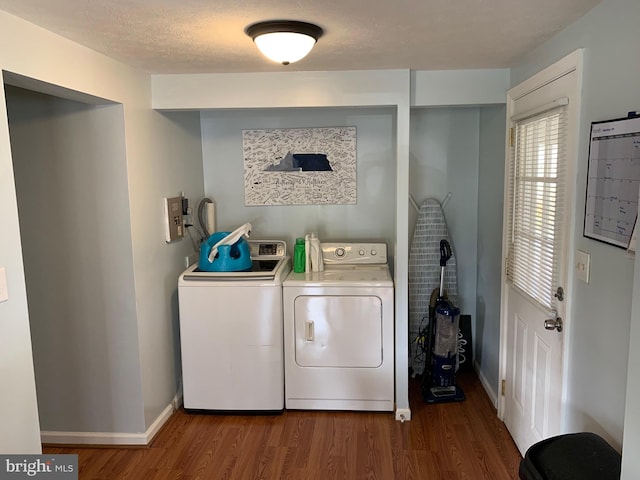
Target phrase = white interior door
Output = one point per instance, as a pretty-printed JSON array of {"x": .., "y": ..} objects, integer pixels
[{"x": 532, "y": 360}]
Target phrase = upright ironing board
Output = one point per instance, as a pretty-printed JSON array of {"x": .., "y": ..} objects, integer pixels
[{"x": 424, "y": 274}]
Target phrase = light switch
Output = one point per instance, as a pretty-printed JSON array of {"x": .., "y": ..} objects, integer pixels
[
  {"x": 583, "y": 263},
  {"x": 4, "y": 292}
]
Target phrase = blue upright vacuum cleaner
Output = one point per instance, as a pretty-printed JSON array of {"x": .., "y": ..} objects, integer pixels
[{"x": 439, "y": 379}]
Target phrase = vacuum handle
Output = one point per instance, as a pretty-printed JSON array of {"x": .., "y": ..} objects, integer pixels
[{"x": 445, "y": 252}]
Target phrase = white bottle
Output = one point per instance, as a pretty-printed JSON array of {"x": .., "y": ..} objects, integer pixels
[
  {"x": 317, "y": 262},
  {"x": 307, "y": 253}
]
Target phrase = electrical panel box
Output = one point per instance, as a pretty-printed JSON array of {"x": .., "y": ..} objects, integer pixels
[{"x": 174, "y": 222}]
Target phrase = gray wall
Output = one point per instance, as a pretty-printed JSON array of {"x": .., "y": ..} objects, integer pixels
[
  {"x": 448, "y": 147},
  {"x": 599, "y": 339},
  {"x": 631, "y": 437},
  {"x": 489, "y": 247},
  {"x": 372, "y": 218},
  {"x": 71, "y": 185},
  {"x": 444, "y": 158},
  {"x": 163, "y": 157},
  {"x": 461, "y": 150},
  {"x": 174, "y": 166},
  {"x": 105, "y": 351}
]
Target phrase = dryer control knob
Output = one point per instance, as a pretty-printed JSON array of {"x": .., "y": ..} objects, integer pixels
[
  {"x": 361, "y": 252},
  {"x": 340, "y": 252},
  {"x": 374, "y": 252}
]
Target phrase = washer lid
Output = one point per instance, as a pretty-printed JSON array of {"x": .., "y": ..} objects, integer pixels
[
  {"x": 267, "y": 260},
  {"x": 343, "y": 275},
  {"x": 261, "y": 269}
]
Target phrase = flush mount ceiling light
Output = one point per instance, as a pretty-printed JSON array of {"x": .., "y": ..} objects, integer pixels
[{"x": 284, "y": 41}]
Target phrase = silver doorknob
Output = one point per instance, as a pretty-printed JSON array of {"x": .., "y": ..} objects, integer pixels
[{"x": 553, "y": 324}]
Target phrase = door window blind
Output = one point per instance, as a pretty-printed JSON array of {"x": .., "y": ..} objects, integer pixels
[{"x": 536, "y": 202}]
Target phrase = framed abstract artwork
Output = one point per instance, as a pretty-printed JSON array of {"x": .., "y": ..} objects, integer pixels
[{"x": 299, "y": 166}]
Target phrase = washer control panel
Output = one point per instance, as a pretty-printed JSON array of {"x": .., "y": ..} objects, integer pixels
[
  {"x": 267, "y": 248},
  {"x": 354, "y": 253}
]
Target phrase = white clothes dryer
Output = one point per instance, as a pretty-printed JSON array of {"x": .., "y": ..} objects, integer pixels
[
  {"x": 339, "y": 331},
  {"x": 231, "y": 334}
]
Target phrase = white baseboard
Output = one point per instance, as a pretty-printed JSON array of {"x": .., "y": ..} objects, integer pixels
[
  {"x": 93, "y": 438},
  {"x": 403, "y": 414},
  {"x": 493, "y": 395},
  {"x": 108, "y": 438},
  {"x": 155, "y": 427},
  {"x": 177, "y": 399}
]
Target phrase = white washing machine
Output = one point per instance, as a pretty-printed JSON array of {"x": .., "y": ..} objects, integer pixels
[
  {"x": 231, "y": 334},
  {"x": 339, "y": 331}
]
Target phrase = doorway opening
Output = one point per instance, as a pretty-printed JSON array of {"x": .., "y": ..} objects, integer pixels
[{"x": 70, "y": 174}]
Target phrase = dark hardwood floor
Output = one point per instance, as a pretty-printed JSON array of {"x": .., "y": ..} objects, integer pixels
[{"x": 451, "y": 441}]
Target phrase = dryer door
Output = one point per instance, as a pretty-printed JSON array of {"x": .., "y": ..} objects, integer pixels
[{"x": 338, "y": 331}]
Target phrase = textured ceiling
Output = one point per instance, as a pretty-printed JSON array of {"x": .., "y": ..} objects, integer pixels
[{"x": 198, "y": 36}]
